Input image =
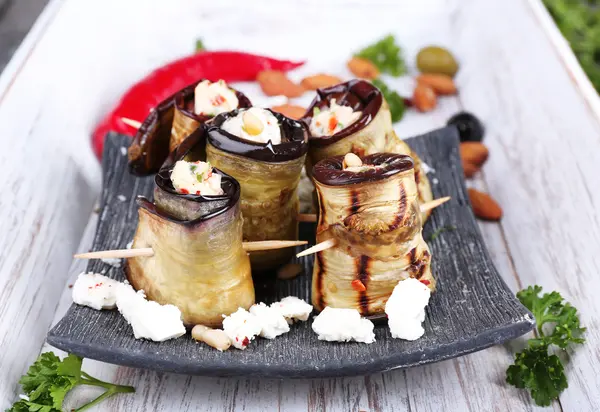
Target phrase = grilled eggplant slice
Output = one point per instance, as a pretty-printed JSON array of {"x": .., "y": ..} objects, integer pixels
[
  {"x": 371, "y": 133},
  {"x": 166, "y": 127},
  {"x": 268, "y": 175},
  {"x": 199, "y": 264},
  {"x": 373, "y": 214}
]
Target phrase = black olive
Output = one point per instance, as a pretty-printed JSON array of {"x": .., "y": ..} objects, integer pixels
[{"x": 469, "y": 127}]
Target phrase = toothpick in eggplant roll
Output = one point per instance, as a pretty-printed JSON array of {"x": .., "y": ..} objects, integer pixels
[
  {"x": 265, "y": 151},
  {"x": 194, "y": 227},
  {"x": 353, "y": 117},
  {"x": 176, "y": 118},
  {"x": 372, "y": 211}
]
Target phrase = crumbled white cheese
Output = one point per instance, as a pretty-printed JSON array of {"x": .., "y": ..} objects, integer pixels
[
  {"x": 211, "y": 99},
  {"x": 123, "y": 151},
  {"x": 121, "y": 198},
  {"x": 327, "y": 122},
  {"x": 114, "y": 262},
  {"x": 271, "y": 321},
  {"x": 95, "y": 291},
  {"x": 128, "y": 246},
  {"x": 343, "y": 325},
  {"x": 149, "y": 320},
  {"x": 269, "y": 126},
  {"x": 293, "y": 308},
  {"x": 196, "y": 178},
  {"x": 241, "y": 327},
  {"x": 406, "y": 309},
  {"x": 435, "y": 181}
]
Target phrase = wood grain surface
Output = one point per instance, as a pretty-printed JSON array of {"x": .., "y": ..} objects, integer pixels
[{"x": 543, "y": 132}]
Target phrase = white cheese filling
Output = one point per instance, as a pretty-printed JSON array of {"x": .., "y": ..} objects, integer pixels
[
  {"x": 271, "y": 321},
  {"x": 293, "y": 308},
  {"x": 343, "y": 325},
  {"x": 259, "y": 126},
  {"x": 327, "y": 122},
  {"x": 196, "y": 178},
  {"x": 241, "y": 327},
  {"x": 95, "y": 291},
  {"x": 211, "y": 99},
  {"x": 149, "y": 320},
  {"x": 406, "y": 309}
]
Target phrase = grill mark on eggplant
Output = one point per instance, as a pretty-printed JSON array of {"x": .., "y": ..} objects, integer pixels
[
  {"x": 355, "y": 201},
  {"x": 320, "y": 273},
  {"x": 402, "y": 206},
  {"x": 362, "y": 264}
]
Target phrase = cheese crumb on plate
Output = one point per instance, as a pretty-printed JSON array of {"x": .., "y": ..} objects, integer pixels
[
  {"x": 95, "y": 291},
  {"x": 293, "y": 308},
  {"x": 406, "y": 309},
  {"x": 343, "y": 325},
  {"x": 149, "y": 319},
  {"x": 241, "y": 327},
  {"x": 271, "y": 321}
]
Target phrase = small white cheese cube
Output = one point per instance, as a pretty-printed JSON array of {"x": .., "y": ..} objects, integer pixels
[
  {"x": 271, "y": 321},
  {"x": 343, "y": 325},
  {"x": 95, "y": 291},
  {"x": 406, "y": 309},
  {"x": 149, "y": 320},
  {"x": 241, "y": 327},
  {"x": 293, "y": 308}
]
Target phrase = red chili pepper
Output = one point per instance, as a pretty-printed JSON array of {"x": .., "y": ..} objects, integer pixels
[
  {"x": 245, "y": 342},
  {"x": 358, "y": 286},
  {"x": 184, "y": 191},
  {"x": 425, "y": 282},
  {"x": 332, "y": 123},
  {"x": 163, "y": 82}
]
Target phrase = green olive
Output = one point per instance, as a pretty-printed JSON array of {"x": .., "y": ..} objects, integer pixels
[{"x": 435, "y": 59}]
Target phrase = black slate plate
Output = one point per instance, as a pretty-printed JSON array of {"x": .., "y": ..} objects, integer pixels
[{"x": 471, "y": 310}]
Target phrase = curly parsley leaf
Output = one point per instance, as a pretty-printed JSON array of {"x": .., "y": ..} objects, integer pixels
[
  {"x": 394, "y": 100},
  {"x": 386, "y": 55},
  {"x": 200, "y": 45},
  {"x": 49, "y": 379},
  {"x": 557, "y": 324},
  {"x": 541, "y": 373}
]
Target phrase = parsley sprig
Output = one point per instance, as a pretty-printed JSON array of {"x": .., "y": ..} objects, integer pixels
[
  {"x": 386, "y": 55},
  {"x": 557, "y": 324},
  {"x": 49, "y": 379},
  {"x": 393, "y": 99}
]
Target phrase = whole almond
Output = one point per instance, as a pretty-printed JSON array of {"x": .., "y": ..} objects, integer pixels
[
  {"x": 363, "y": 68},
  {"x": 424, "y": 98},
  {"x": 319, "y": 81},
  {"x": 474, "y": 152},
  {"x": 484, "y": 206},
  {"x": 440, "y": 83},
  {"x": 470, "y": 169},
  {"x": 276, "y": 83},
  {"x": 290, "y": 110}
]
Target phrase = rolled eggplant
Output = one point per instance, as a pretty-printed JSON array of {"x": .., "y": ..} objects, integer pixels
[
  {"x": 353, "y": 117},
  {"x": 194, "y": 227},
  {"x": 176, "y": 118},
  {"x": 372, "y": 212},
  {"x": 265, "y": 151}
]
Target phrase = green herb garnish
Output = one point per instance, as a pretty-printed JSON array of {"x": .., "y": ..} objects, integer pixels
[
  {"x": 579, "y": 22},
  {"x": 193, "y": 167},
  {"x": 200, "y": 45},
  {"x": 316, "y": 111},
  {"x": 49, "y": 379},
  {"x": 557, "y": 324},
  {"x": 439, "y": 231},
  {"x": 386, "y": 55},
  {"x": 394, "y": 100}
]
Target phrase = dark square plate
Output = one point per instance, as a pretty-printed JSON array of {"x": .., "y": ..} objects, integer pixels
[{"x": 471, "y": 310}]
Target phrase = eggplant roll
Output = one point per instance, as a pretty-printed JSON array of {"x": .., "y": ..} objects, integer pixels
[
  {"x": 268, "y": 167},
  {"x": 366, "y": 129},
  {"x": 199, "y": 264},
  {"x": 177, "y": 117},
  {"x": 373, "y": 214}
]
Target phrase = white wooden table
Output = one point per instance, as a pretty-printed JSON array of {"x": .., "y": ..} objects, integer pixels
[{"x": 517, "y": 74}]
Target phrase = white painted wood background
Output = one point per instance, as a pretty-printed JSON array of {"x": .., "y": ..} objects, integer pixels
[{"x": 517, "y": 75}]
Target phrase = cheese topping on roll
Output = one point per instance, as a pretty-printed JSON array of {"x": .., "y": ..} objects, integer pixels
[
  {"x": 330, "y": 121},
  {"x": 196, "y": 178},
  {"x": 211, "y": 99},
  {"x": 254, "y": 124}
]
